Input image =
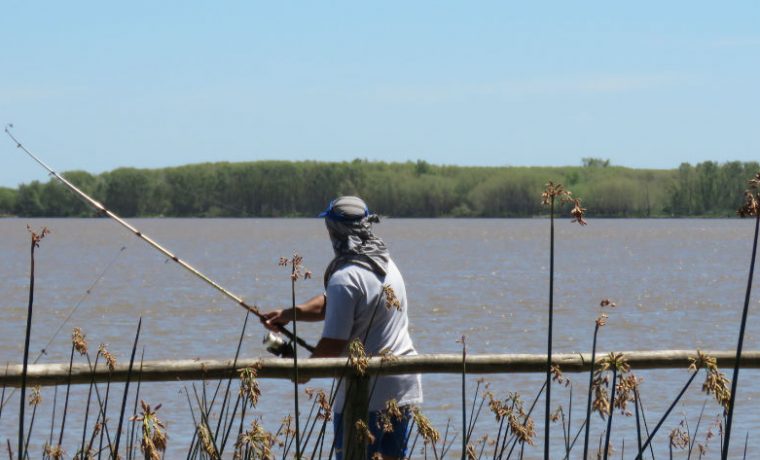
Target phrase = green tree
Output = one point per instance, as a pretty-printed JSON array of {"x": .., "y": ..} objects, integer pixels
[{"x": 8, "y": 198}]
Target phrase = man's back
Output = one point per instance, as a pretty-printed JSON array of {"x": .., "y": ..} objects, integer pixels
[{"x": 358, "y": 307}]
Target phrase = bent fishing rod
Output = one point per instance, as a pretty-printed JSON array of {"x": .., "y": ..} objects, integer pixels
[{"x": 274, "y": 344}]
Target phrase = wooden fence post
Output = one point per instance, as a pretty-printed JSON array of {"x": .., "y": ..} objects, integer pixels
[{"x": 355, "y": 408}]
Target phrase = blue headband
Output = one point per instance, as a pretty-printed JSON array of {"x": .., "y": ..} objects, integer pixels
[{"x": 339, "y": 216}]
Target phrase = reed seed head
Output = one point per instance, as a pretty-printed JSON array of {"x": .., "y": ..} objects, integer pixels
[
  {"x": 702, "y": 361},
  {"x": 80, "y": 344},
  {"x": 625, "y": 392},
  {"x": 208, "y": 446},
  {"x": 363, "y": 434},
  {"x": 524, "y": 431},
  {"x": 607, "y": 303},
  {"x": 718, "y": 385},
  {"x": 387, "y": 356},
  {"x": 679, "y": 438},
  {"x": 297, "y": 270},
  {"x": 750, "y": 206},
  {"x": 35, "y": 398},
  {"x": 357, "y": 357},
  {"x": 578, "y": 212},
  {"x": 54, "y": 452},
  {"x": 384, "y": 423},
  {"x": 601, "y": 321},
  {"x": 551, "y": 192},
  {"x": 110, "y": 359},
  {"x": 37, "y": 236},
  {"x": 498, "y": 408},
  {"x": 616, "y": 361},
  {"x": 754, "y": 183},
  {"x": 391, "y": 301},
  {"x": 249, "y": 384},
  {"x": 716, "y": 382},
  {"x": 153, "y": 431},
  {"x": 424, "y": 427},
  {"x": 601, "y": 403},
  {"x": 258, "y": 440},
  {"x": 522, "y": 426},
  {"x": 557, "y": 375},
  {"x": 472, "y": 454},
  {"x": 392, "y": 412},
  {"x": 324, "y": 410}
]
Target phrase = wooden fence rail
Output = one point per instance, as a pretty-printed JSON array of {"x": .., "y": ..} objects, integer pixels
[{"x": 171, "y": 370}]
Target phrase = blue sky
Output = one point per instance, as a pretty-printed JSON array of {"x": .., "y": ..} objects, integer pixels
[{"x": 95, "y": 86}]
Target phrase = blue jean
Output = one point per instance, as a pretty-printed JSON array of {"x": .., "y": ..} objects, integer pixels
[{"x": 393, "y": 444}]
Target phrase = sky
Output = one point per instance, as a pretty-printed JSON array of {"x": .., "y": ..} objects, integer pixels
[{"x": 98, "y": 85}]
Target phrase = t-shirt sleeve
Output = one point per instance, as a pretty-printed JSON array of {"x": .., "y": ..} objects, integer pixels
[{"x": 339, "y": 311}]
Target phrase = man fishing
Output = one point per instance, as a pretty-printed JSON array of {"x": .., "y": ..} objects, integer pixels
[{"x": 364, "y": 298}]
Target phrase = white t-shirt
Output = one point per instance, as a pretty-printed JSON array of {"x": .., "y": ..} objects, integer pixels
[{"x": 353, "y": 294}]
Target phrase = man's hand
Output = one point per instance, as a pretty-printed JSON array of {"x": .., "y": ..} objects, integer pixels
[
  {"x": 312, "y": 310},
  {"x": 276, "y": 318}
]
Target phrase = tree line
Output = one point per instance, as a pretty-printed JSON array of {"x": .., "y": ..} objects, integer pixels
[{"x": 411, "y": 189}]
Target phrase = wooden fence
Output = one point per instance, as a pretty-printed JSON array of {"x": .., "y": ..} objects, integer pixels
[{"x": 172, "y": 370}]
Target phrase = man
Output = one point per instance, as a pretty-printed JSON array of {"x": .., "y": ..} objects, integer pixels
[{"x": 361, "y": 283}]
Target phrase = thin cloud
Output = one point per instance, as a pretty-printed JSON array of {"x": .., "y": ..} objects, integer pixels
[
  {"x": 554, "y": 86},
  {"x": 35, "y": 94},
  {"x": 590, "y": 84},
  {"x": 736, "y": 42}
]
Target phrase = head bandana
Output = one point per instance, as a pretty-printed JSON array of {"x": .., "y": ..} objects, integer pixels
[{"x": 349, "y": 224}]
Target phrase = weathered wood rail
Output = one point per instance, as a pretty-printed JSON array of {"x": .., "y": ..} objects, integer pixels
[{"x": 162, "y": 371}]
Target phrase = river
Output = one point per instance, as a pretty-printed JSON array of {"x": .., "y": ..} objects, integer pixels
[{"x": 677, "y": 284}]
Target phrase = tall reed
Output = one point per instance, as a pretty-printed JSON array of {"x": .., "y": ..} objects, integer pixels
[
  {"x": 296, "y": 272},
  {"x": 553, "y": 193},
  {"x": 601, "y": 321},
  {"x": 115, "y": 449},
  {"x": 35, "y": 243},
  {"x": 617, "y": 363},
  {"x": 465, "y": 437},
  {"x": 751, "y": 207}
]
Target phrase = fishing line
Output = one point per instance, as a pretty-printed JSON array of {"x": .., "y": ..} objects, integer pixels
[
  {"x": 104, "y": 211},
  {"x": 43, "y": 351}
]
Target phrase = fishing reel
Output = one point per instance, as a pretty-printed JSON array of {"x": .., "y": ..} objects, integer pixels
[{"x": 277, "y": 345}]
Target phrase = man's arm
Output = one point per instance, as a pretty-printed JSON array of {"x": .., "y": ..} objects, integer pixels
[
  {"x": 311, "y": 310},
  {"x": 329, "y": 348}
]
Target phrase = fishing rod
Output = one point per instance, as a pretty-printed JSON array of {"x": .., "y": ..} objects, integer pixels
[{"x": 273, "y": 343}]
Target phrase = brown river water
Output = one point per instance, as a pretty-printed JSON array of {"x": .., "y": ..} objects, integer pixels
[{"x": 678, "y": 284}]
